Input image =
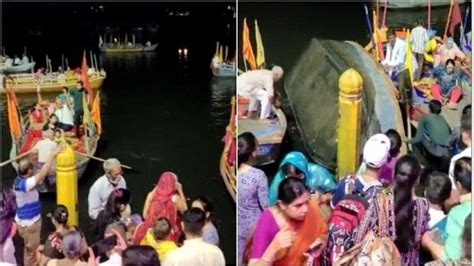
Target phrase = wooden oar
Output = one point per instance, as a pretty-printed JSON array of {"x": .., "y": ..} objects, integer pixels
[
  {"x": 16, "y": 158},
  {"x": 100, "y": 159}
]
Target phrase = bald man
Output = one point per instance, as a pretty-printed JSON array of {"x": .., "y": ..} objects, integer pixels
[{"x": 258, "y": 86}]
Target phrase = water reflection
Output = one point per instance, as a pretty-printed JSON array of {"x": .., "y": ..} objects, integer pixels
[{"x": 222, "y": 90}]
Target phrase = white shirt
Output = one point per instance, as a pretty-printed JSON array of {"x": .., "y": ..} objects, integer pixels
[
  {"x": 418, "y": 39},
  {"x": 395, "y": 55},
  {"x": 45, "y": 147},
  {"x": 435, "y": 217},
  {"x": 65, "y": 115},
  {"x": 28, "y": 196},
  {"x": 99, "y": 193},
  {"x": 253, "y": 80},
  {"x": 465, "y": 153},
  {"x": 114, "y": 260},
  {"x": 195, "y": 252}
]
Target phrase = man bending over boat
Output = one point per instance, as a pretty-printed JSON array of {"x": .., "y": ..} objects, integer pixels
[{"x": 258, "y": 86}]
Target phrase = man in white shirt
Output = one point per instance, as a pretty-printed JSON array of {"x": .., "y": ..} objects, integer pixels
[
  {"x": 44, "y": 148},
  {"x": 194, "y": 250},
  {"x": 395, "y": 56},
  {"x": 418, "y": 39},
  {"x": 258, "y": 86},
  {"x": 28, "y": 215},
  {"x": 466, "y": 139},
  {"x": 65, "y": 116},
  {"x": 104, "y": 185}
]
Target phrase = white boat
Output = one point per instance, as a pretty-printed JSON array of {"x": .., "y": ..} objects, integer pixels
[
  {"x": 17, "y": 69},
  {"x": 224, "y": 70}
]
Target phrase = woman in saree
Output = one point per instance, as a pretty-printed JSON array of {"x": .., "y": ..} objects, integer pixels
[
  {"x": 296, "y": 165},
  {"x": 291, "y": 232},
  {"x": 165, "y": 200}
]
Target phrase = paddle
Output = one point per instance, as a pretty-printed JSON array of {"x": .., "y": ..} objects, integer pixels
[
  {"x": 102, "y": 160},
  {"x": 15, "y": 158}
]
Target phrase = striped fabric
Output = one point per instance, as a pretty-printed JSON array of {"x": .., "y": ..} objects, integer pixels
[
  {"x": 27, "y": 199},
  {"x": 418, "y": 39}
]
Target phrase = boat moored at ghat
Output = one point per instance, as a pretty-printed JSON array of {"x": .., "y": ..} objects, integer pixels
[{"x": 51, "y": 82}]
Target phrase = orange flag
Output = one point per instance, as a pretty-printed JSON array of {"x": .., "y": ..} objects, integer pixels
[
  {"x": 247, "y": 50},
  {"x": 95, "y": 113},
  {"x": 85, "y": 78},
  {"x": 13, "y": 120}
]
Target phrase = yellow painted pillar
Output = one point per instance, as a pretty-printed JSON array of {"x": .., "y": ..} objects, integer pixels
[
  {"x": 349, "y": 122},
  {"x": 66, "y": 183}
]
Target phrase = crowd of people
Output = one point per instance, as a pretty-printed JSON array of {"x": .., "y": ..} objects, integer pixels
[
  {"x": 168, "y": 232},
  {"x": 394, "y": 210}
]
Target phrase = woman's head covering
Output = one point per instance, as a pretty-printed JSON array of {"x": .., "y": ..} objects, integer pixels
[
  {"x": 161, "y": 205},
  {"x": 295, "y": 158}
]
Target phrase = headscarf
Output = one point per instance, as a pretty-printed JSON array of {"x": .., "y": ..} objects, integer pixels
[
  {"x": 316, "y": 177},
  {"x": 161, "y": 205}
]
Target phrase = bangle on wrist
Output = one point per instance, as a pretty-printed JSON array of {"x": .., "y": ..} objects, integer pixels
[{"x": 267, "y": 259}]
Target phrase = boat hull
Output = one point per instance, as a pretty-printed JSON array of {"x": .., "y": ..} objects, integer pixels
[
  {"x": 52, "y": 85},
  {"x": 141, "y": 49},
  {"x": 17, "y": 69},
  {"x": 312, "y": 88},
  {"x": 224, "y": 71}
]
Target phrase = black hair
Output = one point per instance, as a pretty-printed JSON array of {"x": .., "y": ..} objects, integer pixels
[
  {"x": 466, "y": 236},
  {"x": 435, "y": 107},
  {"x": 391, "y": 32},
  {"x": 395, "y": 142},
  {"x": 111, "y": 211},
  {"x": 80, "y": 82},
  {"x": 407, "y": 172},
  {"x": 140, "y": 256},
  {"x": 449, "y": 61},
  {"x": 206, "y": 205},
  {"x": 60, "y": 214},
  {"x": 7, "y": 212},
  {"x": 247, "y": 144},
  {"x": 466, "y": 123},
  {"x": 290, "y": 170},
  {"x": 438, "y": 187},
  {"x": 162, "y": 228},
  {"x": 419, "y": 22},
  {"x": 462, "y": 172},
  {"x": 194, "y": 220},
  {"x": 291, "y": 189},
  {"x": 467, "y": 109},
  {"x": 65, "y": 88}
]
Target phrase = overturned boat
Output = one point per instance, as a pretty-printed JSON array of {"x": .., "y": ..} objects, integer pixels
[{"x": 312, "y": 89}]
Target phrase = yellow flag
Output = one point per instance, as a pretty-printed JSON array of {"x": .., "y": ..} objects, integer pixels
[
  {"x": 220, "y": 54},
  {"x": 260, "y": 50},
  {"x": 408, "y": 61},
  {"x": 96, "y": 113}
]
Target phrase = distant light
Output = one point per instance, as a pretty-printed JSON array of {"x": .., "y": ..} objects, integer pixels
[
  {"x": 115, "y": 39},
  {"x": 180, "y": 51},
  {"x": 185, "y": 51}
]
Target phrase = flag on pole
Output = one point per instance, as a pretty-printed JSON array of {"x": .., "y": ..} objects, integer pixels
[
  {"x": 86, "y": 117},
  {"x": 13, "y": 120},
  {"x": 95, "y": 113},
  {"x": 85, "y": 78},
  {"x": 260, "y": 50},
  {"x": 247, "y": 50},
  {"x": 455, "y": 18},
  {"x": 408, "y": 61}
]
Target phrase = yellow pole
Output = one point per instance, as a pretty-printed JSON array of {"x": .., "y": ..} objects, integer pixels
[
  {"x": 349, "y": 124},
  {"x": 66, "y": 183},
  {"x": 217, "y": 49}
]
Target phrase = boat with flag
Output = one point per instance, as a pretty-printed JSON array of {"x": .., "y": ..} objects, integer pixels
[
  {"x": 25, "y": 133},
  {"x": 51, "y": 82},
  {"x": 221, "y": 66},
  {"x": 126, "y": 47},
  {"x": 269, "y": 133},
  {"x": 227, "y": 165}
]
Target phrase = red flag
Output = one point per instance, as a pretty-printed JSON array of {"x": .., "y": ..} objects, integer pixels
[
  {"x": 455, "y": 18},
  {"x": 247, "y": 50},
  {"x": 85, "y": 78}
]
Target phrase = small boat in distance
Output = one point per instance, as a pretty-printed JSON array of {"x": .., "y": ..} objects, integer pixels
[
  {"x": 221, "y": 66},
  {"x": 18, "y": 68}
]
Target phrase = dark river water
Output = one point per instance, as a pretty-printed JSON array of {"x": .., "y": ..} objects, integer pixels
[{"x": 160, "y": 113}]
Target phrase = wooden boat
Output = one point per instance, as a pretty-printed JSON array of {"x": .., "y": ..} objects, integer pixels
[
  {"x": 224, "y": 70},
  {"x": 137, "y": 48},
  {"x": 17, "y": 69},
  {"x": 87, "y": 145},
  {"x": 312, "y": 88},
  {"x": 417, "y": 3},
  {"x": 27, "y": 83},
  {"x": 269, "y": 134},
  {"x": 227, "y": 167}
]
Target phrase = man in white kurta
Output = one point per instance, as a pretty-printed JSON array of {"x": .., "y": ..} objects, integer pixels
[
  {"x": 395, "y": 56},
  {"x": 258, "y": 86}
]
